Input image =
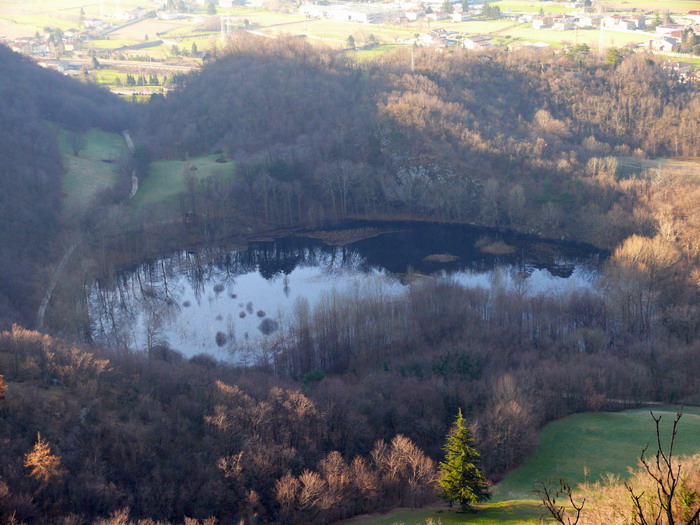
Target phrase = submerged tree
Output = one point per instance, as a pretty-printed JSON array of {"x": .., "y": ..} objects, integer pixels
[{"x": 460, "y": 479}]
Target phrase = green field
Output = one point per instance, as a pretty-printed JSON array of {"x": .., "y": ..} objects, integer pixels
[
  {"x": 166, "y": 182},
  {"x": 674, "y": 6},
  {"x": 582, "y": 36},
  {"x": 509, "y": 512},
  {"x": 87, "y": 174},
  {"x": 578, "y": 448},
  {"x": 583, "y": 447},
  {"x": 529, "y": 6},
  {"x": 532, "y": 7}
]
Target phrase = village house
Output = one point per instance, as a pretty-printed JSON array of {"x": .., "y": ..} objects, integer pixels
[
  {"x": 541, "y": 22},
  {"x": 437, "y": 15},
  {"x": 414, "y": 14},
  {"x": 684, "y": 71},
  {"x": 461, "y": 17},
  {"x": 93, "y": 23},
  {"x": 588, "y": 21},
  {"x": 641, "y": 21},
  {"x": 477, "y": 42},
  {"x": 622, "y": 23},
  {"x": 562, "y": 22},
  {"x": 534, "y": 46},
  {"x": 667, "y": 29},
  {"x": 666, "y": 44}
]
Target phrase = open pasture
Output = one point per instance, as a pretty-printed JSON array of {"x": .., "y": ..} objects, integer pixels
[
  {"x": 88, "y": 173},
  {"x": 583, "y": 447},
  {"x": 592, "y": 37},
  {"x": 151, "y": 27},
  {"x": 579, "y": 448},
  {"x": 528, "y": 6},
  {"x": 166, "y": 180},
  {"x": 662, "y": 6}
]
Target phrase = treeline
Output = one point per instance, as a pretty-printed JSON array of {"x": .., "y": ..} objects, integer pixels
[
  {"x": 513, "y": 140},
  {"x": 32, "y": 101}
]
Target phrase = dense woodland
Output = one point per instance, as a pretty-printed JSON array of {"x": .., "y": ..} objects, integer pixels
[
  {"x": 502, "y": 139},
  {"x": 348, "y": 410}
]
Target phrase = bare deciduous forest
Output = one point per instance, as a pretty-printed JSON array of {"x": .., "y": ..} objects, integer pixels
[{"x": 349, "y": 413}]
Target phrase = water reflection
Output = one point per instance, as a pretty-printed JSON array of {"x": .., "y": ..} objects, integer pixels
[{"x": 234, "y": 304}]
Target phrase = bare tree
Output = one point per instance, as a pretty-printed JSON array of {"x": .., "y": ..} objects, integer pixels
[
  {"x": 559, "y": 512},
  {"x": 666, "y": 474}
]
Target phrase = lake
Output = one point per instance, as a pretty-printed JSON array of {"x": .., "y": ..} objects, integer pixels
[{"x": 227, "y": 302}]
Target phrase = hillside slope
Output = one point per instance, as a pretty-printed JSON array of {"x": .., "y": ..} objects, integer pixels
[{"x": 31, "y": 169}]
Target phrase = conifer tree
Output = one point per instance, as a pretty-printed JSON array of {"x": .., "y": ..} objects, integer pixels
[{"x": 460, "y": 479}]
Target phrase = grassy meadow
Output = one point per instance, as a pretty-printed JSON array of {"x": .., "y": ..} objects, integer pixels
[
  {"x": 528, "y": 6},
  {"x": 166, "y": 180},
  {"x": 579, "y": 448},
  {"x": 88, "y": 173},
  {"x": 583, "y": 447},
  {"x": 582, "y": 36},
  {"x": 674, "y": 6}
]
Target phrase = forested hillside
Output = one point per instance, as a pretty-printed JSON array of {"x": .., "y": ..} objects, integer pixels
[
  {"x": 32, "y": 101},
  {"x": 518, "y": 140}
]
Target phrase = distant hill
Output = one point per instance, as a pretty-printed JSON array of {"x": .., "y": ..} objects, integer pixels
[{"x": 500, "y": 139}]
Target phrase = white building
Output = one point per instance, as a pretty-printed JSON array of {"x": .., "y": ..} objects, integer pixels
[{"x": 461, "y": 17}]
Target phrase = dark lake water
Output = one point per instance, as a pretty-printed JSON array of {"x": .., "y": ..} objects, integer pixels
[{"x": 227, "y": 302}]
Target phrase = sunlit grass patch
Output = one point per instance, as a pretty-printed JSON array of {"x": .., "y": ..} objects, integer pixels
[
  {"x": 93, "y": 169},
  {"x": 166, "y": 179}
]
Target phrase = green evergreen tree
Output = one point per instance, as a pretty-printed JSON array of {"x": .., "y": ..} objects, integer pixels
[{"x": 460, "y": 479}]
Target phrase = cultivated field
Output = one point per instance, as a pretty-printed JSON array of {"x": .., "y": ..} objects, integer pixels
[
  {"x": 22, "y": 18},
  {"x": 592, "y": 37},
  {"x": 529, "y": 6},
  {"x": 526, "y": 6},
  {"x": 674, "y": 6}
]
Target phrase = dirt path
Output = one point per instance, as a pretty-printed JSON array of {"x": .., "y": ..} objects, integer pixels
[{"x": 52, "y": 285}]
